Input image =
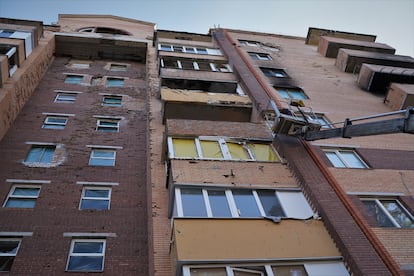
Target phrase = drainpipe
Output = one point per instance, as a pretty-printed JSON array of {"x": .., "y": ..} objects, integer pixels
[{"x": 360, "y": 221}]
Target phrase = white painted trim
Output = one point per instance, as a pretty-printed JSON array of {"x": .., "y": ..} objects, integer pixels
[
  {"x": 103, "y": 147},
  {"x": 108, "y": 117},
  {"x": 15, "y": 234},
  {"x": 58, "y": 114},
  {"x": 24, "y": 181},
  {"x": 41, "y": 143},
  {"x": 95, "y": 183},
  {"x": 87, "y": 235},
  {"x": 68, "y": 92}
]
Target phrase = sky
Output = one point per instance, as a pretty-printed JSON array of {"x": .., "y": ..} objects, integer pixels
[{"x": 392, "y": 21}]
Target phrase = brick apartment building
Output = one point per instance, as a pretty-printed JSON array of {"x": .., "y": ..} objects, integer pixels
[{"x": 129, "y": 150}]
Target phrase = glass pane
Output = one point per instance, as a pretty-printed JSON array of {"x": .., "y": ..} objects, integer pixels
[
  {"x": 189, "y": 49},
  {"x": 101, "y": 162},
  {"x": 263, "y": 152},
  {"x": 335, "y": 159},
  {"x": 20, "y": 203},
  {"x": 378, "y": 213},
  {"x": 9, "y": 247},
  {"x": 49, "y": 126},
  {"x": 83, "y": 263},
  {"x": 96, "y": 193},
  {"x": 184, "y": 148},
  {"x": 202, "y": 51},
  {"x": 56, "y": 120},
  {"x": 108, "y": 129},
  {"x": 237, "y": 151},
  {"x": 118, "y": 67},
  {"x": 92, "y": 204},
  {"x": 165, "y": 47},
  {"x": 88, "y": 247},
  {"x": 398, "y": 213},
  {"x": 112, "y": 101},
  {"x": 297, "y": 94},
  {"x": 65, "y": 98},
  {"x": 246, "y": 204},
  {"x": 210, "y": 271},
  {"x": 294, "y": 270},
  {"x": 115, "y": 82},
  {"x": 270, "y": 203},
  {"x": 211, "y": 149},
  {"x": 218, "y": 203},
  {"x": 352, "y": 159},
  {"x": 193, "y": 202},
  {"x": 283, "y": 93},
  {"x": 177, "y": 48},
  {"x": 26, "y": 191},
  {"x": 6, "y": 263},
  {"x": 188, "y": 65},
  {"x": 47, "y": 155},
  {"x": 103, "y": 154},
  {"x": 34, "y": 154},
  {"x": 73, "y": 79},
  {"x": 108, "y": 123}
]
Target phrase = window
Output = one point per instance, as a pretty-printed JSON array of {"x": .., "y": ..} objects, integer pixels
[
  {"x": 118, "y": 67},
  {"x": 320, "y": 118},
  {"x": 40, "y": 154},
  {"x": 22, "y": 196},
  {"x": 238, "y": 203},
  {"x": 55, "y": 122},
  {"x": 107, "y": 125},
  {"x": 8, "y": 251},
  {"x": 112, "y": 100},
  {"x": 249, "y": 43},
  {"x": 220, "y": 149},
  {"x": 6, "y": 33},
  {"x": 114, "y": 82},
  {"x": 95, "y": 198},
  {"x": 291, "y": 93},
  {"x": 388, "y": 212},
  {"x": 273, "y": 72},
  {"x": 63, "y": 97},
  {"x": 259, "y": 56},
  {"x": 344, "y": 158},
  {"x": 189, "y": 64},
  {"x": 188, "y": 49},
  {"x": 316, "y": 268},
  {"x": 73, "y": 79},
  {"x": 86, "y": 255},
  {"x": 102, "y": 157},
  {"x": 80, "y": 64}
]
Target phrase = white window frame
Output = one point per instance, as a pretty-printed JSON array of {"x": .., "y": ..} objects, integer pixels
[
  {"x": 222, "y": 142},
  {"x": 102, "y": 158},
  {"x": 337, "y": 152},
  {"x": 293, "y": 203},
  {"x": 386, "y": 212},
  {"x": 59, "y": 125},
  {"x": 189, "y": 49},
  {"x": 315, "y": 268},
  {"x": 60, "y": 94},
  {"x": 19, "y": 240},
  {"x": 44, "y": 147},
  {"x": 74, "y": 75},
  {"x": 260, "y": 56},
  {"x": 113, "y": 97},
  {"x": 112, "y": 120},
  {"x": 17, "y": 197},
  {"x": 245, "y": 42},
  {"x": 87, "y": 254},
  {"x": 96, "y": 198}
]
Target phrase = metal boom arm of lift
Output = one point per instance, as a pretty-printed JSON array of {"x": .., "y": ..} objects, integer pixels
[{"x": 310, "y": 130}]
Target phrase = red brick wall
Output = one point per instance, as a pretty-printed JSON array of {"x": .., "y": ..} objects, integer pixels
[{"x": 56, "y": 210}]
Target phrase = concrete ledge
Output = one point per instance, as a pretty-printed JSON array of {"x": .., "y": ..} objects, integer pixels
[
  {"x": 400, "y": 96},
  {"x": 377, "y": 78},
  {"x": 351, "y": 60},
  {"x": 329, "y": 46}
]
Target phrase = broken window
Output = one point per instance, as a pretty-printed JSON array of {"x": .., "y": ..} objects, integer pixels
[
  {"x": 291, "y": 93},
  {"x": 8, "y": 251},
  {"x": 273, "y": 72},
  {"x": 389, "y": 212}
]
